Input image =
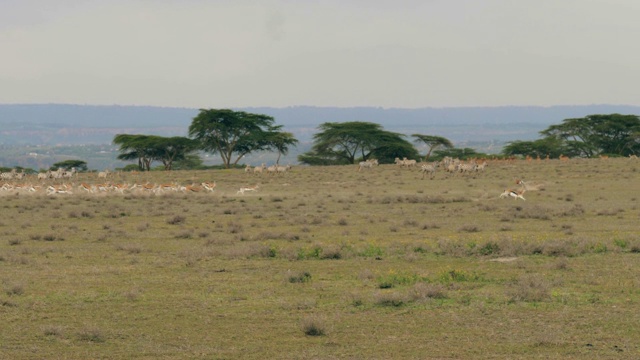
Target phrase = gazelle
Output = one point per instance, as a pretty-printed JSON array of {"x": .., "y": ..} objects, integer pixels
[
  {"x": 86, "y": 187},
  {"x": 530, "y": 187},
  {"x": 209, "y": 186},
  {"x": 251, "y": 188},
  {"x": 193, "y": 188},
  {"x": 516, "y": 194},
  {"x": 59, "y": 189}
]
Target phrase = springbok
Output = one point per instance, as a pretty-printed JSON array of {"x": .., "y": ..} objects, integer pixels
[
  {"x": 248, "y": 188},
  {"x": 516, "y": 194}
]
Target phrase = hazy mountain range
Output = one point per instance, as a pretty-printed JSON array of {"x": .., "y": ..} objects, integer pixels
[{"x": 52, "y": 124}]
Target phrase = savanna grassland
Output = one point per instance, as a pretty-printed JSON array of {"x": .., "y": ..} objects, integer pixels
[{"x": 329, "y": 262}]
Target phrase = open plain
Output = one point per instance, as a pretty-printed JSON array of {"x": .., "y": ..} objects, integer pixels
[{"x": 326, "y": 262}]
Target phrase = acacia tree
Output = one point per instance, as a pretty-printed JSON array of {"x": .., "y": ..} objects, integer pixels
[
  {"x": 348, "y": 142},
  {"x": 281, "y": 142},
  {"x": 135, "y": 147},
  {"x": 433, "y": 142},
  {"x": 597, "y": 134},
  {"x": 147, "y": 148},
  {"x": 549, "y": 146},
  {"x": 70, "y": 164},
  {"x": 173, "y": 149},
  {"x": 229, "y": 132}
]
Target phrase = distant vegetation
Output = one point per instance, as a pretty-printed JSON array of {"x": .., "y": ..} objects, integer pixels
[
  {"x": 593, "y": 135},
  {"x": 39, "y": 136}
]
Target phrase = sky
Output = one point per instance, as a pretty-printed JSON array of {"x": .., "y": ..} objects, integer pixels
[{"x": 280, "y": 53}]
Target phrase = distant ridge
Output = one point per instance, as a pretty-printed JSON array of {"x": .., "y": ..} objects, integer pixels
[{"x": 71, "y": 124}]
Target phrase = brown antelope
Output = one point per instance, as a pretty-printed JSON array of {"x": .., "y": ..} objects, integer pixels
[
  {"x": 249, "y": 188},
  {"x": 86, "y": 187},
  {"x": 209, "y": 186},
  {"x": 516, "y": 194}
]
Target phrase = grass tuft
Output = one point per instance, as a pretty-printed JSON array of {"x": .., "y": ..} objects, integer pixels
[
  {"x": 314, "y": 326},
  {"x": 530, "y": 288},
  {"x": 92, "y": 334}
]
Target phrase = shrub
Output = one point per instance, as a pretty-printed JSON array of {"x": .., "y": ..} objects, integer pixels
[
  {"x": 393, "y": 278},
  {"x": 489, "y": 248},
  {"x": 91, "y": 334},
  {"x": 53, "y": 330},
  {"x": 423, "y": 291},
  {"x": 15, "y": 289},
  {"x": 7, "y": 303},
  {"x": 469, "y": 228},
  {"x": 373, "y": 251},
  {"x": 234, "y": 228},
  {"x": 394, "y": 299},
  {"x": 457, "y": 276},
  {"x": 600, "y": 248},
  {"x": 130, "y": 248},
  {"x": 530, "y": 288},
  {"x": 557, "y": 248},
  {"x": 332, "y": 253},
  {"x": 186, "y": 234},
  {"x": 301, "y": 277},
  {"x": 176, "y": 220},
  {"x": 313, "y": 326},
  {"x": 313, "y": 253},
  {"x": 622, "y": 244}
]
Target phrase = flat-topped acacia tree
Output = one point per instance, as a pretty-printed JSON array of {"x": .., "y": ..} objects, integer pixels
[
  {"x": 347, "y": 142},
  {"x": 433, "y": 142},
  {"x": 229, "y": 132},
  {"x": 147, "y": 148}
]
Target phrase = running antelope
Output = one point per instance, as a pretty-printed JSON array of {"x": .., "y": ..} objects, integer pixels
[{"x": 251, "y": 188}]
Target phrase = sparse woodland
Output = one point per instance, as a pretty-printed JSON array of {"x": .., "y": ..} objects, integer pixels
[{"x": 327, "y": 262}]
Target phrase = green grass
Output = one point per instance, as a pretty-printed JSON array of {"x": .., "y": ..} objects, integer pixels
[{"x": 329, "y": 262}]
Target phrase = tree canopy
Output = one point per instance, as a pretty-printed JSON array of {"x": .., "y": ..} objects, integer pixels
[
  {"x": 348, "y": 142},
  {"x": 592, "y": 135},
  {"x": 229, "y": 132},
  {"x": 69, "y": 164},
  {"x": 149, "y": 148},
  {"x": 281, "y": 141},
  {"x": 433, "y": 142}
]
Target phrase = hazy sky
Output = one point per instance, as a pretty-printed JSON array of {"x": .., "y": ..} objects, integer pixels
[{"x": 214, "y": 54}]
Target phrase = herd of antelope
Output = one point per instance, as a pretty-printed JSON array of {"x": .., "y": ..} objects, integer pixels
[
  {"x": 48, "y": 183},
  {"x": 106, "y": 188}
]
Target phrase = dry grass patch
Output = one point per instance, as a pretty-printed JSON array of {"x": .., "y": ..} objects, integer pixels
[
  {"x": 530, "y": 288},
  {"x": 243, "y": 286}
]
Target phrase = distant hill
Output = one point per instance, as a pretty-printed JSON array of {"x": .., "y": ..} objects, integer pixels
[{"x": 50, "y": 124}]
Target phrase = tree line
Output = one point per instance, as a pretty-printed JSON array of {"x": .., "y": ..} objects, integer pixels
[
  {"x": 235, "y": 134},
  {"x": 587, "y": 137}
]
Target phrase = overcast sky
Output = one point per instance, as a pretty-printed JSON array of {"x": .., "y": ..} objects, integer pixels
[{"x": 403, "y": 53}]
